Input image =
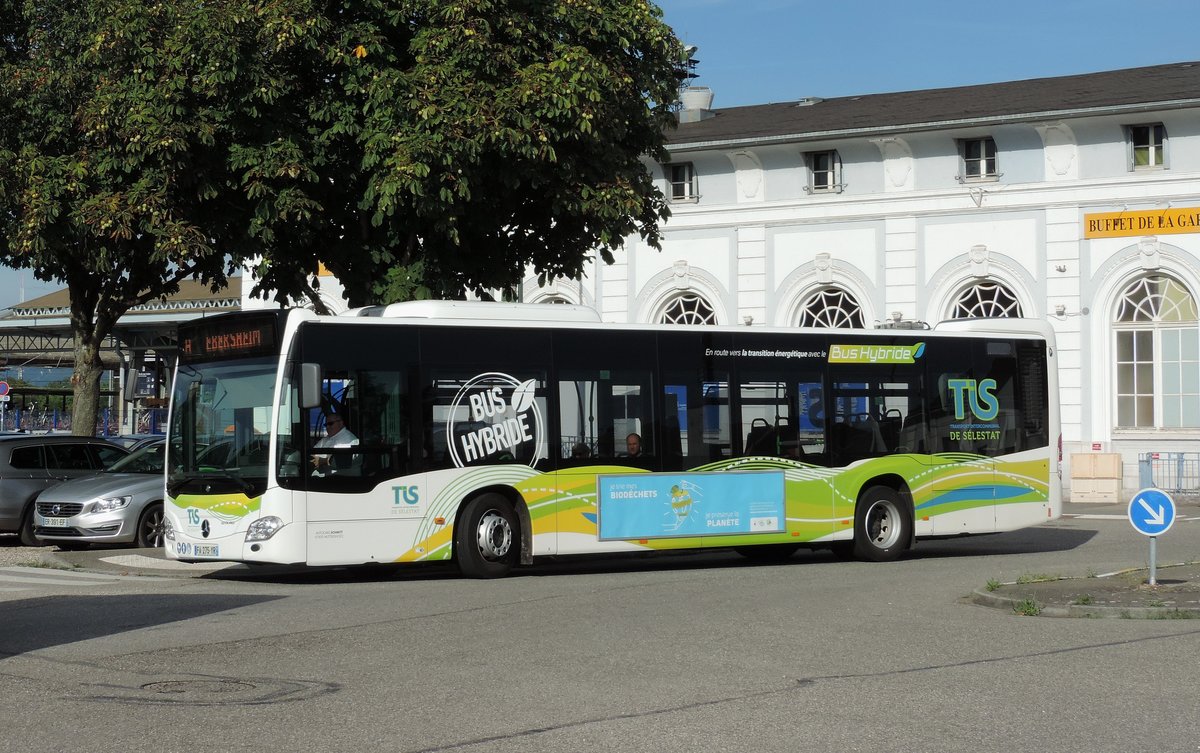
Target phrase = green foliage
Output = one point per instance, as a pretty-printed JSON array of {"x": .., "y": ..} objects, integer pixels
[
  {"x": 465, "y": 140},
  {"x": 993, "y": 584},
  {"x": 1036, "y": 578},
  {"x": 414, "y": 148},
  {"x": 1027, "y": 608}
]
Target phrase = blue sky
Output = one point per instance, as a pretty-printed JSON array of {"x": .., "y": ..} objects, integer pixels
[{"x": 759, "y": 51}]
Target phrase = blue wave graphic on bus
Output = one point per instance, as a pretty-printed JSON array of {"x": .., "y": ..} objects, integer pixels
[{"x": 975, "y": 493}]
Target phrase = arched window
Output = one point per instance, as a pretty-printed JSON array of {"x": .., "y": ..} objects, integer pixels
[
  {"x": 831, "y": 308},
  {"x": 688, "y": 308},
  {"x": 986, "y": 299},
  {"x": 1158, "y": 355}
]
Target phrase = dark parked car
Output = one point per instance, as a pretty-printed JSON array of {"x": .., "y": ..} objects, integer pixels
[
  {"x": 133, "y": 442},
  {"x": 30, "y": 463},
  {"x": 121, "y": 505}
]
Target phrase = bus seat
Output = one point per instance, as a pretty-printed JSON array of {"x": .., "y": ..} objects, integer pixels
[{"x": 760, "y": 440}]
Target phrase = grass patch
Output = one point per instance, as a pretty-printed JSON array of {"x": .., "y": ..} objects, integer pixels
[
  {"x": 992, "y": 584},
  {"x": 1172, "y": 614},
  {"x": 1027, "y": 608},
  {"x": 45, "y": 565},
  {"x": 1084, "y": 600},
  {"x": 1036, "y": 578}
]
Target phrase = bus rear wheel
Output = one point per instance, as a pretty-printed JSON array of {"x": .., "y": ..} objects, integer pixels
[
  {"x": 882, "y": 525},
  {"x": 487, "y": 540}
]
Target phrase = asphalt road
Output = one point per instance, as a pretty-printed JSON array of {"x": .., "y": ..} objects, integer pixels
[{"x": 677, "y": 653}]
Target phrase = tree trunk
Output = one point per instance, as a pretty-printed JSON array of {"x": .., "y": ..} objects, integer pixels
[{"x": 86, "y": 386}]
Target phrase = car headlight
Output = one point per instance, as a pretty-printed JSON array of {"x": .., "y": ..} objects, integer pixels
[
  {"x": 108, "y": 504},
  {"x": 263, "y": 528}
]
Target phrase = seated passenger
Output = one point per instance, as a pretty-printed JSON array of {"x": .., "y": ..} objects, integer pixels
[{"x": 633, "y": 445}]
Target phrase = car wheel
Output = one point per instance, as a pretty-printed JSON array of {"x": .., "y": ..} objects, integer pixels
[
  {"x": 882, "y": 525},
  {"x": 150, "y": 527},
  {"x": 26, "y": 530},
  {"x": 487, "y": 539}
]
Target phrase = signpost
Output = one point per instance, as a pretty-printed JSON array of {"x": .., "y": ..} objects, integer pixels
[
  {"x": 4, "y": 398},
  {"x": 1152, "y": 512}
]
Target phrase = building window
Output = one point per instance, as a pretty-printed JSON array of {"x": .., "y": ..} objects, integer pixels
[
  {"x": 1147, "y": 146},
  {"x": 978, "y": 159},
  {"x": 1158, "y": 355},
  {"x": 689, "y": 308},
  {"x": 824, "y": 172},
  {"x": 682, "y": 177},
  {"x": 831, "y": 308},
  {"x": 986, "y": 299}
]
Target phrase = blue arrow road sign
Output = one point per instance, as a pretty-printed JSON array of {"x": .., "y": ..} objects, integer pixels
[{"x": 1152, "y": 511}]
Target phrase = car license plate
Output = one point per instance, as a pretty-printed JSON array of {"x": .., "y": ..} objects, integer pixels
[
  {"x": 55, "y": 522},
  {"x": 208, "y": 550}
]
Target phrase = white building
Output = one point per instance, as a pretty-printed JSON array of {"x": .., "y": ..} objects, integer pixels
[{"x": 1073, "y": 198}]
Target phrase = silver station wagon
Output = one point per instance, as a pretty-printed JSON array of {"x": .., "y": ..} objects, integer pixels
[
  {"x": 30, "y": 463},
  {"x": 121, "y": 505}
]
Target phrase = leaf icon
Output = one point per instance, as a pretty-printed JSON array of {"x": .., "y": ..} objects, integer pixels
[
  {"x": 919, "y": 351},
  {"x": 522, "y": 397}
]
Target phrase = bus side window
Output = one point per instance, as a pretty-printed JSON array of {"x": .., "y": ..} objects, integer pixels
[{"x": 603, "y": 413}]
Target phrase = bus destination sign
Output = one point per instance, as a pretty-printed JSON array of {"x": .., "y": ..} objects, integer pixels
[{"x": 235, "y": 337}]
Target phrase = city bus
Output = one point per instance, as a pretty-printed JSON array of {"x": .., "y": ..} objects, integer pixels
[{"x": 492, "y": 434}]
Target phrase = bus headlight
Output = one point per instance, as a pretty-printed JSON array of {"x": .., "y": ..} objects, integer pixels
[
  {"x": 263, "y": 528},
  {"x": 168, "y": 529}
]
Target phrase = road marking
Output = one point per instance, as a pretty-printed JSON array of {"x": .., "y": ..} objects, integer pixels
[
  {"x": 157, "y": 563},
  {"x": 49, "y": 577}
]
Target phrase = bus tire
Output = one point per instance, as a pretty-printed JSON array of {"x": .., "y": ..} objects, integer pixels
[
  {"x": 487, "y": 540},
  {"x": 882, "y": 525}
]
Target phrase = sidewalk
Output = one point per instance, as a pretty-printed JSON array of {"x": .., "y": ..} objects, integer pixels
[{"x": 1125, "y": 594}]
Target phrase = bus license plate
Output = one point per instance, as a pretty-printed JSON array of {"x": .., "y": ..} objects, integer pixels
[
  {"x": 55, "y": 522},
  {"x": 208, "y": 550}
]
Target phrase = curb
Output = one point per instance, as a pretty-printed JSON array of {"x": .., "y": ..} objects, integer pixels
[{"x": 987, "y": 599}]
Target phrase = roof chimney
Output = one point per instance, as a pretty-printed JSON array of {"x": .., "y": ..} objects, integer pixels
[{"x": 696, "y": 104}]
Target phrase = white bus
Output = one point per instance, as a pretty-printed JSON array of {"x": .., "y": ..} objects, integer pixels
[{"x": 492, "y": 434}]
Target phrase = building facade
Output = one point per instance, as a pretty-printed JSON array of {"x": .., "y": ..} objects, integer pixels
[{"x": 1075, "y": 199}]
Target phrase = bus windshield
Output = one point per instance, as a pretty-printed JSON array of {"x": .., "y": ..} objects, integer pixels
[{"x": 220, "y": 423}]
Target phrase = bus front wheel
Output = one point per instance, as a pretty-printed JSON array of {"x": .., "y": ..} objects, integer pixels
[
  {"x": 882, "y": 525},
  {"x": 487, "y": 539}
]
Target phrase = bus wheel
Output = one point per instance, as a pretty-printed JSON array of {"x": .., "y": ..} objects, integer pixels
[
  {"x": 882, "y": 525},
  {"x": 486, "y": 542}
]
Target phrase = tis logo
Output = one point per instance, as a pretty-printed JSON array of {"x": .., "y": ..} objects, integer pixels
[
  {"x": 406, "y": 495},
  {"x": 981, "y": 394}
]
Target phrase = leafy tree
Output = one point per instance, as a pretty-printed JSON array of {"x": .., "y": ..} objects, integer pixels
[
  {"x": 413, "y": 147},
  {"x": 121, "y": 128},
  {"x": 464, "y": 140}
]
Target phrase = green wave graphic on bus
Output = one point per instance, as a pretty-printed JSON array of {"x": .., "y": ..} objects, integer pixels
[
  {"x": 224, "y": 507},
  {"x": 819, "y": 502}
]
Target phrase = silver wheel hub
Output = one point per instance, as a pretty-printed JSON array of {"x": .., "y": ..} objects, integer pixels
[
  {"x": 883, "y": 524},
  {"x": 494, "y": 535}
]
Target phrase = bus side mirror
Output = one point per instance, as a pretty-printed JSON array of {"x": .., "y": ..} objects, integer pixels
[{"x": 310, "y": 385}]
